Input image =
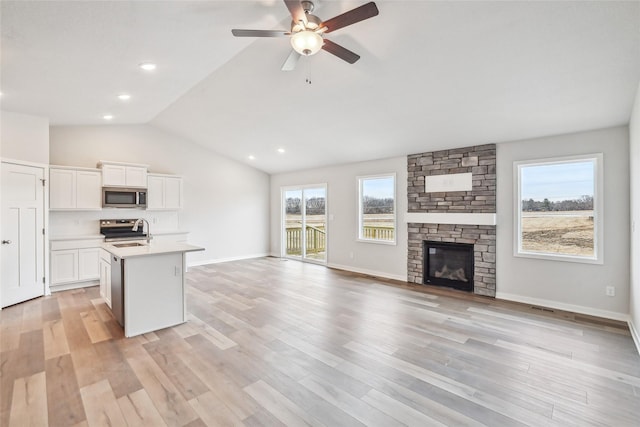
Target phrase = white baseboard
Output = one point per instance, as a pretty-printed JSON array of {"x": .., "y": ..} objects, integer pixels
[
  {"x": 368, "y": 272},
  {"x": 634, "y": 334},
  {"x": 219, "y": 260},
  {"x": 76, "y": 285},
  {"x": 565, "y": 307}
]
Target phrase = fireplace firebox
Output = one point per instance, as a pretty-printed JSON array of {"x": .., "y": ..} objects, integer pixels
[{"x": 448, "y": 264}]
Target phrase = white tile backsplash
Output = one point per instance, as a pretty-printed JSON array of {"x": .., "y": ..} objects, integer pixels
[{"x": 80, "y": 223}]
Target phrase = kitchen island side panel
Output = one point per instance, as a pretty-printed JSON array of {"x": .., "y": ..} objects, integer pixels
[{"x": 154, "y": 294}]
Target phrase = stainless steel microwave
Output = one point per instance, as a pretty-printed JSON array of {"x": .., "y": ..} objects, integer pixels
[{"x": 117, "y": 197}]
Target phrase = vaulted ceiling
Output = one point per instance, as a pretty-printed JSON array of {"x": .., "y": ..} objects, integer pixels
[{"x": 432, "y": 74}]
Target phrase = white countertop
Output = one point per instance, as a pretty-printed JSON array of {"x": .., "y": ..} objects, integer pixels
[{"x": 155, "y": 248}]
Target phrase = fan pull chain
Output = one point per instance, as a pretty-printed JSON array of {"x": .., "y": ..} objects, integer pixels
[{"x": 307, "y": 80}]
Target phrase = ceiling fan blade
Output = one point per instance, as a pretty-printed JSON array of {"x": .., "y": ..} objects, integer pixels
[
  {"x": 291, "y": 61},
  {"x": 358, "y": 14},
  {"x": 259, "y": 33},
  {"x": 296, "y": 10},
  {"x": 339, "y": 51}
]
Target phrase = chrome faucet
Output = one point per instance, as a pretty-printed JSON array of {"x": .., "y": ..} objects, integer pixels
[{"x": 137, "y": 224}]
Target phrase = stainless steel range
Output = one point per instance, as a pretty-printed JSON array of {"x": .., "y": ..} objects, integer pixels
[{"x": 115, "y": 230}]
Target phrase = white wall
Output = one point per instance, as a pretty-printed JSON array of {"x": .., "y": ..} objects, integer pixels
[
  {"x": 24, "y": 137},
  {"x": 564, "y": 285},
  {"x": 342, "y": 204},
  {"x": 226, "y": 203},
  {"x": 634, "y": 300}
]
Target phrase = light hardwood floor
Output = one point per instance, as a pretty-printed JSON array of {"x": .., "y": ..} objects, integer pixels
[{"x": 272, "y": 342}]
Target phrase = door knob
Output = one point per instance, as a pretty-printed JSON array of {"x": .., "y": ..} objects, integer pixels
[{"x": 6, "y": 242}]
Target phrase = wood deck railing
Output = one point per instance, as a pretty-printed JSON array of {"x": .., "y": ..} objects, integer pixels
[
  {"x": 378, "y": 232},
  {"x": 317, "y": 239}
]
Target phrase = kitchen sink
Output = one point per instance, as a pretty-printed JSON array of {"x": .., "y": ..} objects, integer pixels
[{"x": 128, "y": 245}]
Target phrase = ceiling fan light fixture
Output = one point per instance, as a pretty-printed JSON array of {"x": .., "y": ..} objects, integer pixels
[{"x": 306, "y": 42}]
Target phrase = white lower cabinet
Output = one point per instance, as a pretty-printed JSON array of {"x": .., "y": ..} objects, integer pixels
[
  {"x": 88, "y": 264},
  {"x": 64, "y": 266},
  {"x": 74, "y": 262},
  {"x": 105, "y": 276}
]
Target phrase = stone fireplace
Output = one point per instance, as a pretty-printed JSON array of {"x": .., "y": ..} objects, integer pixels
[{"x": 452, "y": 199}]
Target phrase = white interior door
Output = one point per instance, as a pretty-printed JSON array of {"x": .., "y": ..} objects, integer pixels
[{"x": 22, "y": 248}]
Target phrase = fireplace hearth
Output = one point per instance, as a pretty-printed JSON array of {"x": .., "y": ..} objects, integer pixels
[{"x": 448, "y": 264}]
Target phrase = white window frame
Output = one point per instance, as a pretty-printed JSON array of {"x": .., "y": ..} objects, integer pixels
[
  {"x": 598, "y": 209},
  {"x": 359, "y": 236}
]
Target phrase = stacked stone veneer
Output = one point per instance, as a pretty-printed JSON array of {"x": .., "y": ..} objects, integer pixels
[{"x": 481, "y": 162}]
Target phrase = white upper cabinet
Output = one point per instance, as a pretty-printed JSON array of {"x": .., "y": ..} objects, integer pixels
[
  {"x": 88, "y": 190},
  {"x": 173, "y": 192},
  {"x": 62, "y": 189},
  {"x": 164, "y": 192},
  {"x": 155, "y": 192},
  {"x": 136, "y": 176},
  {"x": 116, "y": 174},
  {"x": 74, "y": 189}
]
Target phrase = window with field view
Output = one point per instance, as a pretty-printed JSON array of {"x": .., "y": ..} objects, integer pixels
[
  {"x": 558, "y": 213},
  {"x": 377, "y": 208}
]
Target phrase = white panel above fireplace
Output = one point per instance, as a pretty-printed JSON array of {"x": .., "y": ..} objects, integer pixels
[
  {"x": 448, "y": 182},
  {"x": 451, "y": 218}
]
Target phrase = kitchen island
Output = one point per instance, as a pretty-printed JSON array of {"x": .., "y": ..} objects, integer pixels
[{"x": 148, "y": 284}]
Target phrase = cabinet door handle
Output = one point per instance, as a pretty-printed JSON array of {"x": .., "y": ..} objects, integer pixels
[{"x": 6, "y": 242}]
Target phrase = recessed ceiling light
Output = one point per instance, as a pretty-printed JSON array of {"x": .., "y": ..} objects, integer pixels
[
  {"x": 252, "y": 157},
  {"x": 107, "y": 117},
  {"x": 148, "y": 66},
  {"x": 124, "y": 97},
  {"x": 280, "y": 150}
]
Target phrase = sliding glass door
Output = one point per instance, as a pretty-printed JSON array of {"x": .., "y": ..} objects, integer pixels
[{"x": 304, "y": 230}]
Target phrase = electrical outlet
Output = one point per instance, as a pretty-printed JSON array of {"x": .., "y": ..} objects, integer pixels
[
  {"x": 351, "y": 255},
  {"x": 610, "y": 291}
]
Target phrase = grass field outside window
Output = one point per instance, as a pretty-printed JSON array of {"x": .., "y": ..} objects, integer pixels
[{"x": 559, "y": 211}]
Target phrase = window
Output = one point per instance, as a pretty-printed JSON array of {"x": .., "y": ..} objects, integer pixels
[
  {"x": 559, "y": 209},
  {"x": 377, "y": 208}
]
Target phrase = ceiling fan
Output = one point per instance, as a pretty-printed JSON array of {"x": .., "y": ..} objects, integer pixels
[{"x": 307, "y": 31}]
